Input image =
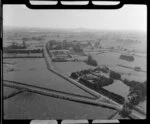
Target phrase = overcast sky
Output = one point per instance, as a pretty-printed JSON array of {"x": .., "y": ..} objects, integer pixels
[{"x": 129, "y": 17}]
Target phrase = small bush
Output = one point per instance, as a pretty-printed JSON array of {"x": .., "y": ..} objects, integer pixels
[{"x": 74, "y": 75}]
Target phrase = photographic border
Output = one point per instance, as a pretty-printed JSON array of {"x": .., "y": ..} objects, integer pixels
[{"x": 59, "y": 6}]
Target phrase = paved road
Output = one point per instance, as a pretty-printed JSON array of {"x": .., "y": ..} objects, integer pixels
[{"x": 57, "y": 94}]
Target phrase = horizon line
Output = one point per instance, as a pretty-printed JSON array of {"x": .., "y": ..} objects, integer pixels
[{"x": 76, "y": 28}]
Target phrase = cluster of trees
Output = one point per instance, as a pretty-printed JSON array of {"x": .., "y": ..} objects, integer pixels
[
  {"x": 15, "y": 46},
  {"x": 128, "y": 58},
  {"x": 127, "y": 110},
  {"x": 136, "y": 95},
  {"x": 67, "y": 44},
  {"x": 59, "y": 52},
  {"x": 103, "y": 69},
  {"x": 137, "y": 91},
  {"x": 103, "y": 81},
  {"x": 115, "y": 75},
  {"x": 75, "y": 75},
  {"x": 33, "y": 38},
  {"x": 54, "y": 42},
  {"x": 112, "y": 74},
  {"x": 99, "y": 82},
  {"x": 76, "y": 47},
  {"x": 24, "y": 51},
  {"x": 91, "y": 61},
  {"x": 86, "y": 71},
  {"x": 37, "y": 38},
  {"x": 36, "y": 51},
  {"x": 115, "y": 97}
]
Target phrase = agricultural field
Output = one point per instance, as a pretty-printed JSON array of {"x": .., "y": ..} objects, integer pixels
[{"x": 34, "y": 71}]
